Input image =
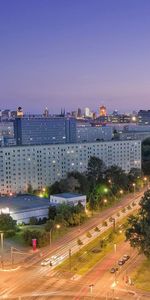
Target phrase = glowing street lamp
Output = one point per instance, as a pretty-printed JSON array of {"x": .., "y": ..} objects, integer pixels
[
  {"x": 41, "y": 195},
  {"x": 121, "y": 192},
  {"x": 134, "y": 187},
  {"x": 105, "y": 201},
  {"x": 105, "y": 190},
  {"x": 50, "y": 233}
]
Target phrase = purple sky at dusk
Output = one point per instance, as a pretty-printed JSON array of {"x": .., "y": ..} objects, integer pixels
[{"x": 74, "y": 53}]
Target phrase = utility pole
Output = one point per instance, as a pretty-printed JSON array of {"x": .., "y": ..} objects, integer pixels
[
  {"x": 114, "y": 224},
  {"x": 11, "y": 254},
  {"x": 50, "y": 237},
  {"x": 2, "y": 248},
  {"x": 91, "y": 289},
  {"x": 70, "y": 259}
]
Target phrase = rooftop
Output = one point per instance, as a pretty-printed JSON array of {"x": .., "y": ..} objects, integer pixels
[
  {"x": 67, "y": 195},
  {"x": 23, "y": 202}
]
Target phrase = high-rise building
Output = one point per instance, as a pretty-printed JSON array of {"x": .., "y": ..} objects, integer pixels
[
  {"x": 46, "y": 113},
  {"x": 41, "y": 130},
  {"x": 42, "y": 165},
  {"x": 144, "y": 117},
  {"x": 79, "y": 113},
  {"x": 102, "y": 111},
  {"x": 19, "y": 112},
  {"x": 87, "y": 112}
]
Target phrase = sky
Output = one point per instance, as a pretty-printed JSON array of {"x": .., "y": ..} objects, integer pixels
[{"x": 74, "y": 53}]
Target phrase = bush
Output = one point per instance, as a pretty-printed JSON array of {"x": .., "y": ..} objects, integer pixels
[
  {"x": 89, "y": 235},
  {"x": 42, "y": 237},
  {"x": 79, "y": 242},
  {"x": 33, "y": 221},
  {"x": 96, "y": 250},
  {"x": 129, "y": 207},
  {"x": 10, "y": 233},
  {"x": 105, "y": 223},
  {"x": 96, "y": 229}
]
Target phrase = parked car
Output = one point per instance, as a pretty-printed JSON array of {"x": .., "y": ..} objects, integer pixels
[
  {"x": 113, "y": 270},
  {"x": 121, "y": 262}
]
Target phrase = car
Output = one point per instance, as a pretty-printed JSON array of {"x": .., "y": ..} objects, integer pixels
[
  {"x": 121, "y": 262},
  {"x": 113, "y": 270},
  {"x": 125, "y": 257},
  {"x": 45, "y": 262}
]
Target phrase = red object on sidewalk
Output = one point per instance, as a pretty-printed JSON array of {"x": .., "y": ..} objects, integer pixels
[{"x": 34, "y": 244}]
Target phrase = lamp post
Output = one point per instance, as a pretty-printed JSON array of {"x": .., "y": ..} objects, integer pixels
[
  {"x": 91, "y": 289},
  {"x": 134, "y": 187},
  {"x": 70, "y": 259},
  {"x": 2, "y": 247},
  {"x": 114, "y": 224},
  {"x": 50, "y": 233},
  {"x": 121, "y": 192},
  {"x": 105, "y": 201}
]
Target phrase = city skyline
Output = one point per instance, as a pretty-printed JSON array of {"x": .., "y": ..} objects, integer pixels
[{"x": 74, "y": 54}]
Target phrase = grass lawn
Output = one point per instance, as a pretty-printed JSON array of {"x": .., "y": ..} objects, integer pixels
[{"x": 141, "y": 276}]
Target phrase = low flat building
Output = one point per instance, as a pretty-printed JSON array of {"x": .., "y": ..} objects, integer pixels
[
  {"x": 21, "y": 208},
  {"x": 68, "y": 198}
]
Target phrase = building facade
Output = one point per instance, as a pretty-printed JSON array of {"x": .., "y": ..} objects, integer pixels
[
  {"x": 88, "y": 133},
  {"x": 68, "y": 198},
  {"x": 42, "y": 165},
  {"x": 144, "y": 117},
  {"x": 44, "y": 130}
]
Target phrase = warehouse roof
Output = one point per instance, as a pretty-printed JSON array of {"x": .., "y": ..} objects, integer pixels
[
  {"x": 67, "y": 195},
  {"x": 23, "y": 202}
]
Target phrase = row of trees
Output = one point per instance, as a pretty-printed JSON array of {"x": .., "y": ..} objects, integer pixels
[
  {"x": 66, "y": 215},
  {"x": 98, "y": 182}
]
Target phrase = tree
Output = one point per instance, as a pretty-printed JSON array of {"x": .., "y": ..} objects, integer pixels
[
  {"x": 83, "y": 187},
  {"x": 95, "y": 170},
  {"x": 134, "y": 174},
  {"x": 49, "y": 225},
  {"x": 29, "y": 189},
  {"x": 138, "y": 227},
  {"x": 7, "y": 223},
  {"x": 118, "y": 177},
  {"x": 71, "y": 184},
  {"x": 52, "y": 212},
  {"x": 33, "y": 221},
  {"x": 42, "y": 237},
  {"x": 146, "y": 156}
]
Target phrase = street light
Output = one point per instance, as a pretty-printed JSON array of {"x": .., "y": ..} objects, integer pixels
[
  {"x": 2, "y": 247},
  {"x": 121, "y": 192},
  {"x": 50, "y": 233},
  {"x": 105, "y": 201},
  {"x": 91, "y": 289},
  {"x": 134, "y": 187}
]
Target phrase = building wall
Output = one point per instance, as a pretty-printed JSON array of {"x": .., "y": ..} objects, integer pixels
[
  {"x": 71, "y": 201},
  {"x": 42, "y": 165},
  {"x": 87, "y": 133},
  {"x": 40, "y": 130},
  {"x": 24, "y": 216}
]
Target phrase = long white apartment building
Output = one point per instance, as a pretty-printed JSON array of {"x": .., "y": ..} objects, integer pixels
[{"x": 42, "y": 165}]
